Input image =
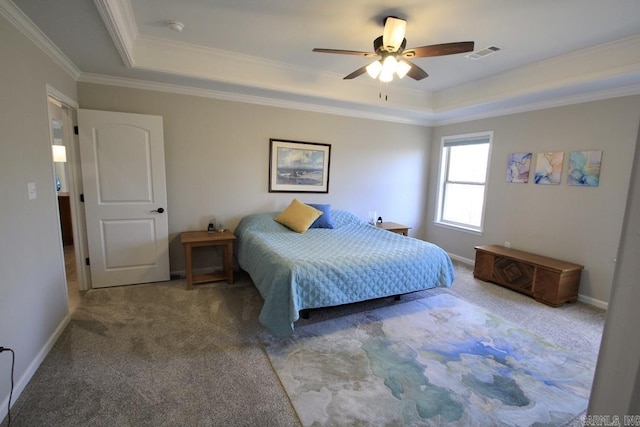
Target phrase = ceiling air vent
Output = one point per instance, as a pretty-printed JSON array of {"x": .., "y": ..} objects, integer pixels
[{"x": 483, "y": 52}]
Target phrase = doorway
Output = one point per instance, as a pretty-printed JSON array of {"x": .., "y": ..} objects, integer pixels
[
  {"x": 61, "y": 111},
  {"x": 139, "y": 254}
]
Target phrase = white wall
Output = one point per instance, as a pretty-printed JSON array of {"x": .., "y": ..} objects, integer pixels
[
  {"x": 616, "y": 387},
  {"x": 217, "y": 159},
  {"x": 33, "y": 293},
  {"x": 576, "y": 224}
]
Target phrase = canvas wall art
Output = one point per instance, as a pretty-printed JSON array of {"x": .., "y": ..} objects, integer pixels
[
  {"x": 584, "y": 168},
  {"x": 549, "y": 167},
  {"x": 518, "y": 165}
]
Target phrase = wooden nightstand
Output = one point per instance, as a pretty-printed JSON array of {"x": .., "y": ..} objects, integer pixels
[
  {"x": 395, "y": 228},
  {"x": 194, "y": 239}
]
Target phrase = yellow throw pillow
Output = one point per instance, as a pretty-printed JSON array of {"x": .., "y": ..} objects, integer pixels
[{"x": 298, "y": 216}]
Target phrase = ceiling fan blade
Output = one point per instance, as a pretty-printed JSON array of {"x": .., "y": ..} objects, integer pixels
[
  {"x": 416, "y": 72},
  {"x": 345, "y": 52},
  {"x": 393, "y": 34},
  {"x": 438, "y": 50},
  {"x": 356, "y": 73}
]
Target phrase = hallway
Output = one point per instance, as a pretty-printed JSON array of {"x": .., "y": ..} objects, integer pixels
[{"x": 75, "y": 296}]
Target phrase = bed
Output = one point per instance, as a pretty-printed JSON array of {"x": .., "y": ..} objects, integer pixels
[{"x": 322, "y": 267}]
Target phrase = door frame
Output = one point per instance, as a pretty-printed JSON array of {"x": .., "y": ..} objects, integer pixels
[{"x": 74, "y": 182}]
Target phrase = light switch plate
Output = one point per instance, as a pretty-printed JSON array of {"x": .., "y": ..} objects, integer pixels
[{"x": 31, "y": 189}]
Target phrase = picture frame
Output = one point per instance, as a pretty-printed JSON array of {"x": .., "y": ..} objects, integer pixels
[{"x": 298, "y": 167}]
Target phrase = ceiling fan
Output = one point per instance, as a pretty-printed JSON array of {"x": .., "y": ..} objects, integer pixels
[{"x": 393, "y": 57}]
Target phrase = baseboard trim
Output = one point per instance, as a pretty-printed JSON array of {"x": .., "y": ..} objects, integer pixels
[
  {"x": 22, "y": 382},
  {"x": 582, "y": 298},
  {"x": 593, "y": 301},
  {"x": 463, "y": 260}
]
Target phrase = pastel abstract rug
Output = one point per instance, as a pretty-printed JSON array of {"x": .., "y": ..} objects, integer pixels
[{"x": 433, "y": 361}]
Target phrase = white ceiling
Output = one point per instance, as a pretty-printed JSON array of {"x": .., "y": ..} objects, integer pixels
[{"x": 553, "y": 52}]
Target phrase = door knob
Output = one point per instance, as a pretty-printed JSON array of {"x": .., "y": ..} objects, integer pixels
[{"x": 159, "y": 210}]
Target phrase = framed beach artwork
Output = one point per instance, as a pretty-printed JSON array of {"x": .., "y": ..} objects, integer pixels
[
  {"x": 584, "y": 168},
  {"x": 298, "y": 167},
  {"x": 518, "y": 165},
  {"x": 549, "y": 167}
]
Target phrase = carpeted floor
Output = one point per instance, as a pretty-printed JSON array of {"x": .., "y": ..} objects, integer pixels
[{"x": 159, "y": 355}]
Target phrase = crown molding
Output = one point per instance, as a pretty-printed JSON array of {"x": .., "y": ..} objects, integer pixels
[
  {"x": 29, "y": 29},
  {"x": 584, "y": 67},
  {"x": 143, "y": 52},
  {"x": 546, "y": 79},
  {"x": 188, "y": 60},
  {"x": 388, "y": 115},
  {"x": 538, "y": 86},
  {"x": 461, "y": 116},
  {"x": 435, "y": 119},
  {"x": 118, "y": 17}
]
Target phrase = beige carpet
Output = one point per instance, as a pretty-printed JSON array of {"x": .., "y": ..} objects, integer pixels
[{"x": 160, "y": 355}]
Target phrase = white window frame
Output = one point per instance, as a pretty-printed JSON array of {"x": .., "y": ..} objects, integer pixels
[{"x": 464, "y": 139}]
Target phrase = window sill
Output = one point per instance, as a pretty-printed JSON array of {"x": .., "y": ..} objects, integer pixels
[{"x": 458, "y": 228}]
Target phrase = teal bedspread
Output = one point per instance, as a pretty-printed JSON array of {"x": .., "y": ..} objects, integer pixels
[{"x": 325, "y": 267}]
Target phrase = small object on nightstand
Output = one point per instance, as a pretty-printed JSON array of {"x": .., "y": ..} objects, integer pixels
[
  {"x": 215, "y": 226},
  {"x": 393, "y": 227},
  {"x": 372, "y": 217}
]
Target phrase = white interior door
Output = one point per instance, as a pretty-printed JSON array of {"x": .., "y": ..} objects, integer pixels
[{"x": 123, "y": 174}]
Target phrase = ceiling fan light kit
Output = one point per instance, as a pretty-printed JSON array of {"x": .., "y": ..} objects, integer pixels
[
  {"x": 402, "y": 68},
  {"x": 394, "y": 30},
  {"x": 374, "y": 69},
  {"x": 386, "y": 69},
  {"x": 390, "y": 48}
]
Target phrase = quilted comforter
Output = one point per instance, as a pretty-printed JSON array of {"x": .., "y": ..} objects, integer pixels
[{"x": 352, "y": 262}]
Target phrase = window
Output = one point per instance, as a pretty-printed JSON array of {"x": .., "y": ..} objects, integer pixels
[{"x": 462, "y": 186}]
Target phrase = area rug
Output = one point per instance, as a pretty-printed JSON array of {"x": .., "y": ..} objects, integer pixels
[{"x": 434, "y": 361}]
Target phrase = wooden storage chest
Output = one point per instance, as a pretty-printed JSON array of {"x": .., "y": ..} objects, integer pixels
[{"x": 548, "y": 280}]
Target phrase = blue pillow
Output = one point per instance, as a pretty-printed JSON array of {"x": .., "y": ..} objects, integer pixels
[{"x": 324, "y": 220}]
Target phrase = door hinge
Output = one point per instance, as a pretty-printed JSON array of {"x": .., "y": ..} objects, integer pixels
[
  {"x": 75, "y": 130},
  {"x": 82, "y": 197},
  {"x": 87, "y": 261}
]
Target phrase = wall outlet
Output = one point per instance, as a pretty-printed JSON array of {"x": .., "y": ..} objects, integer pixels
[{"x": 507, "y": 244}]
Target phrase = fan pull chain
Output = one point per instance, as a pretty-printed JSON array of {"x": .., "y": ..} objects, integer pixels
[{"x": 386, "y": 97}]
